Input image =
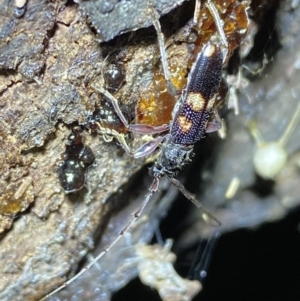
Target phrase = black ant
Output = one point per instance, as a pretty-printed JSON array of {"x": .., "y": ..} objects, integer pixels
[{"x": 77, "y": 160}]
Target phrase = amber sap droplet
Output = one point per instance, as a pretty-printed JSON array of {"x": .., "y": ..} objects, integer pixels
[{"x": 155, "y": 108}]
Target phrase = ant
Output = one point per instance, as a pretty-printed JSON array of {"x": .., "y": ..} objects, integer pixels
[
  {"x": 190, "y": 122},
  {"x": 77, "y": 160}
]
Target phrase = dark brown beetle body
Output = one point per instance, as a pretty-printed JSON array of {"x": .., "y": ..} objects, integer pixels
[{"x": 191, "y": 114}]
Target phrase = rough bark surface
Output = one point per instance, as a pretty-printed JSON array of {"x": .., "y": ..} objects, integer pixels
[{"x": 50, "y": 58}]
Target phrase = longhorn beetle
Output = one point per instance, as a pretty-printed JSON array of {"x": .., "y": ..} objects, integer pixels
[{"x": 190, "y": 122}]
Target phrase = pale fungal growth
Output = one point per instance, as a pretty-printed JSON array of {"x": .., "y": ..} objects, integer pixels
[
  {"x": 270, "y": 157},
  {"x": 156, "y": 270},
  {"x": 232, "y": 188}
]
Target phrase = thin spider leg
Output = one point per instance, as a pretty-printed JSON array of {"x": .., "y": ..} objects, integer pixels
[
  {"x": 197, "y": 12},
  {"x": 162, "y": 49},
  {"x": 211, "y": 7},
  {"x": 213, "y": 10},
  {"x": 114, "y": 103},
  {"x": 153, "y": 188}
]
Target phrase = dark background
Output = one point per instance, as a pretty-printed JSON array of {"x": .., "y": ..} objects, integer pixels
[{"x": 260, "y": 264}]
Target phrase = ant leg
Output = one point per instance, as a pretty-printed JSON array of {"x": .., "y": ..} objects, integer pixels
[
  {"x": 207, "y": 215},
  {"x": 214, "y": 126},
  {"x": 163, "y": 54},
  {"x": 135, "y": 128},
  {"x": 153, "y": 188}
]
